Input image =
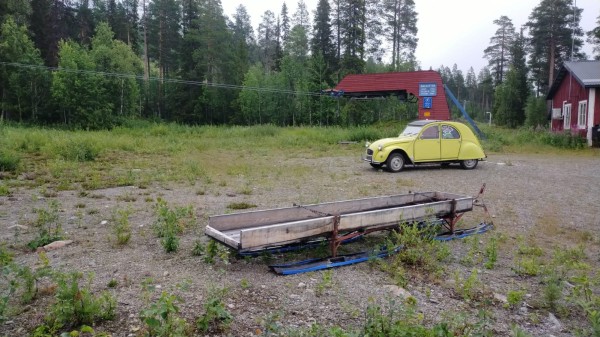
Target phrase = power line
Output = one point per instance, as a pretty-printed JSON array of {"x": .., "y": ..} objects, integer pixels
[{"x": 168, "y": 80}]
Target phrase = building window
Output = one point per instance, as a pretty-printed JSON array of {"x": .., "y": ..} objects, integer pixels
[
  {"x": 582, "y": 114},
  {"x": 567, "y": 116}
]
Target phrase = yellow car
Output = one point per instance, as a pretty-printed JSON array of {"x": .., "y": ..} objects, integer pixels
[{"x": 425, "y": 142}]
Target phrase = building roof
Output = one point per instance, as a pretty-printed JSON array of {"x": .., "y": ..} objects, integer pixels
[
  {"x": 375, "y": 84},
  {"x": 587, "y": 73}
]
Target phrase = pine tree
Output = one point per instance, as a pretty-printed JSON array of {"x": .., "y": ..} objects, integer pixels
[
  {"x": 498, "y": 51},
  {"x": 555, "y": 37},
  {"x": 301, "y": 16},
  {"x": 401, "y": 31}
]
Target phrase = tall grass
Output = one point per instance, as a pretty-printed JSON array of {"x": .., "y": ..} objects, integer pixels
[
  {"x": 141, "y": 152},
  {"x": 529, "y": 140}
]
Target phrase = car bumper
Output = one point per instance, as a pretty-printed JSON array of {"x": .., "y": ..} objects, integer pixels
[{"x": 369, "y": 159}]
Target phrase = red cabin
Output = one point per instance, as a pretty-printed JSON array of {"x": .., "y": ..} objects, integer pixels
[
  {"x": 575, "y": 96},
  {"x": 423, "y": 86}
]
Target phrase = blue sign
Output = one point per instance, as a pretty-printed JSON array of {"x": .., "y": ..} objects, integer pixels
[
  {"x": 427, "y": 102},
  {"x": 428, "y": 89}
]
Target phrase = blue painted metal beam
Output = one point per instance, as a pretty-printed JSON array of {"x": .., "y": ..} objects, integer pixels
[{"x": 463, "y": 111}]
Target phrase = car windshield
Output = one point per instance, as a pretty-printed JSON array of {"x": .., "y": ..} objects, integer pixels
[{"x": 411, "y": 130}]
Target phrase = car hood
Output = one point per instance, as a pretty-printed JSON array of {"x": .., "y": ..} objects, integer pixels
[{"x": 391, "y": 141}]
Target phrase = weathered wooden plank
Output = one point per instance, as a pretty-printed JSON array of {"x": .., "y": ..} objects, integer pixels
[{"x": 222, "y": 237}]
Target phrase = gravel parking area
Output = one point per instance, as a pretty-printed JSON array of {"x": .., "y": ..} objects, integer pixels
[{"x": 550, "y": 200}]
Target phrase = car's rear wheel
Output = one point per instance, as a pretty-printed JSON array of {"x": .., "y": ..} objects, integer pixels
[
  {"x": 469, "y": 164},
  {"x": 377, "y": 166},
  {"x": 395, "y": 162}
]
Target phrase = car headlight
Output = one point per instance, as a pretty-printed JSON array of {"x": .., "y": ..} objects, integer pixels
[
  {"x": 367, "y": 144},
  {"x": 380, "y": 148}
]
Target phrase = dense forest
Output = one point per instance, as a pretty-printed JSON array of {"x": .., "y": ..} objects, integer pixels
[{"x": 95, "y": 64}]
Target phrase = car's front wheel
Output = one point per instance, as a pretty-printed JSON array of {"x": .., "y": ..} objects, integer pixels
[
  {"x": 469, "y": 164},
  {"x": 395, "y": 162}
]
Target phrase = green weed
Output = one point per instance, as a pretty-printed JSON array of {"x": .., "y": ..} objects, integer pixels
[
  {"x": 216, "y": 317},
  {"x": 170, "y": 223},
  {"x": 325, "y": 283},
  {"x": 48, "y": 226},
  {"x": 162, "y": 317},
  {"x": 469, "y": 288}
]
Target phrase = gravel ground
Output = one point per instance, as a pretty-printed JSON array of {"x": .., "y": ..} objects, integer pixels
[{"x": 551, "y": 200}]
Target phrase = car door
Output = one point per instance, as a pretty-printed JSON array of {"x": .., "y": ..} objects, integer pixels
[
  {"x": 450, "y": 142},
  {"x": 427, "y": 144}
]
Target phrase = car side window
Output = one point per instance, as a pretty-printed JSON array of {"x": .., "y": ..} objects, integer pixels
[
  {"x": 449, "y": 132},
  {"x": 431, "y": 132}
]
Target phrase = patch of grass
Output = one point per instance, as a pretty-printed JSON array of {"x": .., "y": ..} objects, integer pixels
[
  {"x": 78, "y": 150},
  {"x": 240, "y": 205},
  {"x": 4, "y": 190},
  {"x": 121, "y": 226},
  {"x": 527, "y": 266}
]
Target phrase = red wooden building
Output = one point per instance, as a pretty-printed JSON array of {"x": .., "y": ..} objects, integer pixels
[
  {"x": 575, "y": 97},
  {"x": 425, "y": 87}
]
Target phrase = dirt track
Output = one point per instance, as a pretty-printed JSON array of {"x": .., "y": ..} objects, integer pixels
[{"x": 551, "y": 200}]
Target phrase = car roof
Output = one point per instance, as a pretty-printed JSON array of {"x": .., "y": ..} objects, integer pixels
[{"x": 423, "y": 122}]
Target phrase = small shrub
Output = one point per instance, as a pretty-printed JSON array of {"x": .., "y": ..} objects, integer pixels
[
  {"x": 514, "y": 298},
  {"x": 552, "y": 293},
  {"x": 9, "y": 162},
  {"x": 170, "y": 223},
  {"x": 198, "y": 249},
  {"x": 113, "y": 283},
  {"x": 216, "y": 317},
  {"x": 76, "y": 305}
]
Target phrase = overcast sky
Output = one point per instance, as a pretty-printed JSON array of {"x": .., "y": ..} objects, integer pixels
[{"x": 450, "y": 32}]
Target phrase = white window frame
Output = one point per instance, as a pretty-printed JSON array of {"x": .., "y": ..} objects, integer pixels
[
  {"x": 567, "y": 116},
  {"x": 582, "y": 114}
]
